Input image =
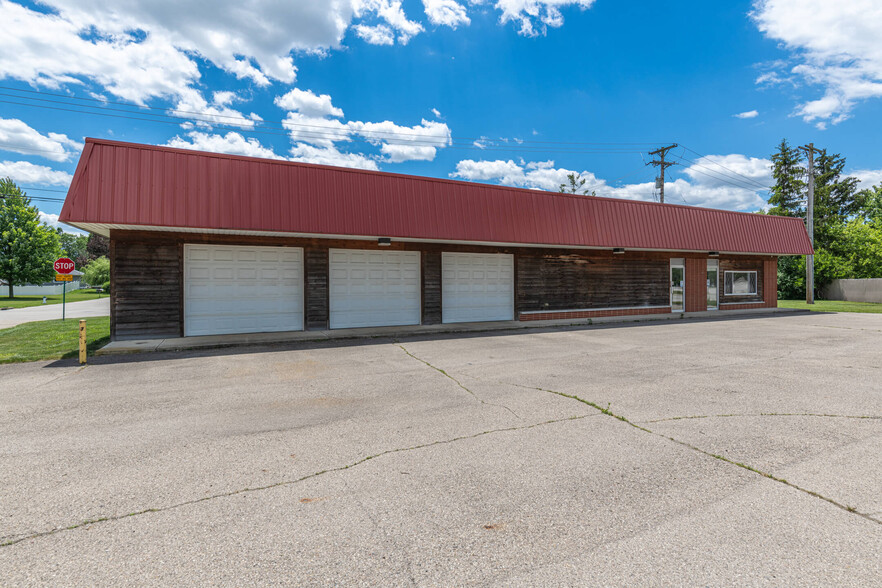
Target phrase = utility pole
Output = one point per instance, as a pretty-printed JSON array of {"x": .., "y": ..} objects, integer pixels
[
  {"x": 661, "y": 163},
  {"x": 810, "y": 225}
]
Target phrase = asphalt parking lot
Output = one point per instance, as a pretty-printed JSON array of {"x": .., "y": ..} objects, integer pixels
[{"x": 738, "y": 452}]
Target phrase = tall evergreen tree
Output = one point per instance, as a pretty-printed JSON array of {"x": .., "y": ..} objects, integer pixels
[
  {"x": 836, "y": 197},
  {"x": 27, "y": 246},
  {"x": 787, "y": 195}
]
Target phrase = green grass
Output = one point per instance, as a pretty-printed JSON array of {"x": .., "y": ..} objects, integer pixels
[
  {"x": 25, "y": 301},
  {"x": 832, "y": 306},
  {"x": 51, "y": 339}
]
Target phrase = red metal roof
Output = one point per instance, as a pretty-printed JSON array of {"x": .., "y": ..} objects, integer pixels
[{"x": 126, "y": 184}]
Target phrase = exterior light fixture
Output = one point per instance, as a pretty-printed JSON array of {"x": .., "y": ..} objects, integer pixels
[
  {"x": 713, "y": 253},
  {"x": 618, "y": 250},
  {"x": 384, "y": 241}
]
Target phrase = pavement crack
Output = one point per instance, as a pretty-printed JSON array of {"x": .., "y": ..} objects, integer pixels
[
  {"x": 89, "y": 522},
  {"x": 763, "y": 414},
  {"x": 457, "y": 382},
  {"x": 606, "y": 411}
]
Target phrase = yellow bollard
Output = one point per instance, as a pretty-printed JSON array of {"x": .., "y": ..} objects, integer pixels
[{"x": 82, "y": 341}]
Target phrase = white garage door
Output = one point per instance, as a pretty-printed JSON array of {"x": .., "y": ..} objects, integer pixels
[
  {"x": 236, "y": 289},
  {"x": 374, "y": 288},
  {"x": 477, "y": 287}
]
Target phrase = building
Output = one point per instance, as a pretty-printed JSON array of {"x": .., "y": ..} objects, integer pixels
[{"x": 204, "y": 243}]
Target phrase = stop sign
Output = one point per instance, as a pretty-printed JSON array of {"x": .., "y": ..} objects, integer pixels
[{"x": 64, "y": 265}]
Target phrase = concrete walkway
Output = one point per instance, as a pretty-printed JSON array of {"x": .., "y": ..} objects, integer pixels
[
  {"x": 48, "y": 312},
  {"x": 215, "y": 341}
]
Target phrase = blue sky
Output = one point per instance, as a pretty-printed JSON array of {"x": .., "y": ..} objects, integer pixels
[{"x": 518, "y": 92}]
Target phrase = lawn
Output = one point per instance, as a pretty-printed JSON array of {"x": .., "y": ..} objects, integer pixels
[
  {"x": 24, "y": 301},
  {"x": 51, "y": 339},
  {"x": 831, "y": 306}
]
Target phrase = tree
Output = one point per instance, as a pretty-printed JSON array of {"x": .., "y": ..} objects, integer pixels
[
  {"x": 74, "y": 247},
  {"x": 788, "y": 193},
  {"x": 97, "y": 273},
  {"x": 574, "y": 185},
  {"x": 836, "y": 197},
  {"x": 97, "y": 246},
  {"x": 27, "y": 246},
  {"x": 871, "y": 205}
]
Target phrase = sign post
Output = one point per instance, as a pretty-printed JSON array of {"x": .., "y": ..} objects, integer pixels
[{"x": 63, "y": 266}]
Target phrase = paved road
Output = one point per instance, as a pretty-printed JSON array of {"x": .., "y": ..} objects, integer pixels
[
  {"x": 84, "y": 309},
  {"x": 364, "y": 464}
]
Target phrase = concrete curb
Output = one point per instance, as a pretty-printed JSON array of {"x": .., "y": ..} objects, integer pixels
[{"x": 253, "y": 339}]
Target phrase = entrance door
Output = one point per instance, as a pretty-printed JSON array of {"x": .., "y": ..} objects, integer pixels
[
  {"x": 713, "y": 281},
  {"x": 678, "y": 285}
]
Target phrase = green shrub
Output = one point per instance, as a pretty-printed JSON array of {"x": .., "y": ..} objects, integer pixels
[{"x": 97, "y": 272}]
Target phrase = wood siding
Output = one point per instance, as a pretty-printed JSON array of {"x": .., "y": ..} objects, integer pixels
[
  {"x": 145, "y": 290},
  {"x": 147, "y": 278},
  {"x": 567, "y": 281},
  {"x": 431, "y": 273},
  {"x": 316, "y": 261}
]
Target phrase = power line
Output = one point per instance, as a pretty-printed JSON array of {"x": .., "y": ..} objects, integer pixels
[
  {"x": 324, "y": 132},
  {"x": 39, "y": 198},
  {"x": 281, "y": 125},
  {"x": 707, "y": 159},
  {"x": 348, "y": 138},
  {"x": 726, "y": 179}
]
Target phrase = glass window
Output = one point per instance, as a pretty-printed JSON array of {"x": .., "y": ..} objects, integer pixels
[{"x": 740, "y": 283}]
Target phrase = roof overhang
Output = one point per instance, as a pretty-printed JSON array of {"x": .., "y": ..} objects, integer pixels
[{"x": 104, "y": 230}]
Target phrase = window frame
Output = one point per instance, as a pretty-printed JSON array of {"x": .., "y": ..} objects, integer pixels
[{"x": 755, "y": 282}]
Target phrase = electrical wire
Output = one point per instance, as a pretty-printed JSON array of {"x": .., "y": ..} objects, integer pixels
[
  {"x": 283, "y": 125},
  {"x": 722, "y": 177},
  {"x": 708, "y": 160}
]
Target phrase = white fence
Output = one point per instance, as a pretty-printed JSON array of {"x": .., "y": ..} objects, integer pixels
[
  {"x": 50, "y": 289},
  {"x": 869, "y": 290}
]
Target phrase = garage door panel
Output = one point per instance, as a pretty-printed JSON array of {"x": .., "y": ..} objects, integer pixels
[
  {"x": 241, "y": 289},
  {"x": 477, "y": 287},
  {"x": 374, "y": 288}
]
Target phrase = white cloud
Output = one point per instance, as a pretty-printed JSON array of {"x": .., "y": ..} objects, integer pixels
[
  {"x": 309, "y": 123},
  {"x": 436, "y": 113},
  {"x": 834, "y": 45},
  {"x": 392, "y": 14},
  {"x": 748, "y": 114},
  {"x": 446, "y": 13},
  {"x": 52, "y": 221},
  {"x": 19, "y": 137},
  {"x": 535, "y": 16},
  {"x": 232, "y": 143},
  {"x": 142, "y": 50},
  {"x": 535, "y": 175},
  {"x": 24, "y": 172},
  {"x": 401, "y": 143},
  {"x": 375, "y": 35},
  {"x": 315, "y": 130},
  {"x": 868, "y": 177},
  {"x": 732, "y": 168},
  {"x": 48, "y": 50},
  {"x": 330, "y": 156},
  {"x": 308, "y": 103},
  {"x": 217, "y": 113},
  {"x": 711, "y": 186}
]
